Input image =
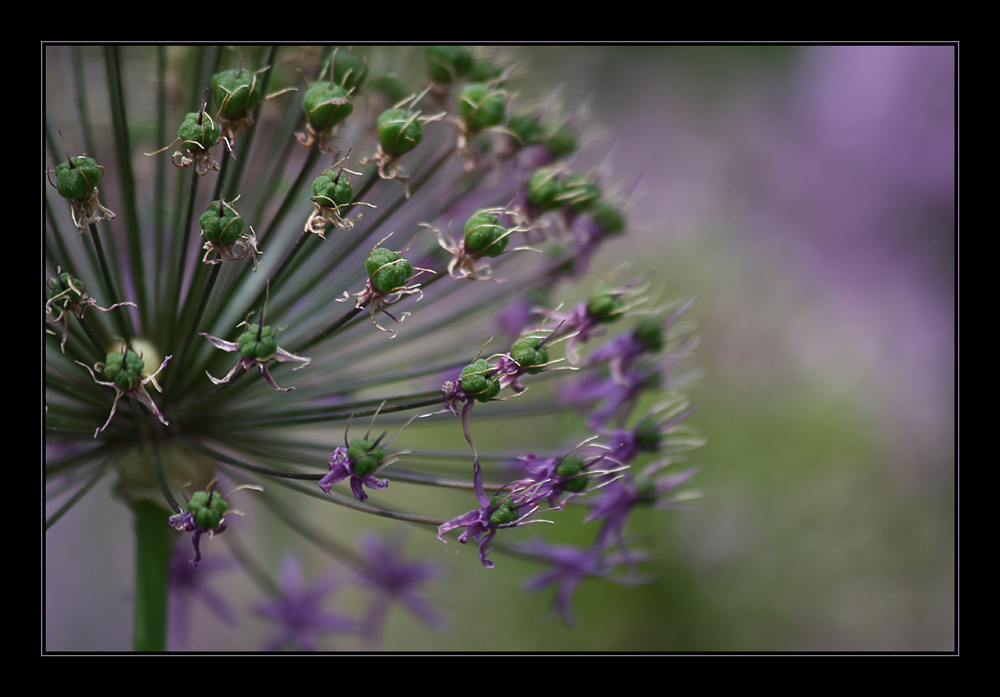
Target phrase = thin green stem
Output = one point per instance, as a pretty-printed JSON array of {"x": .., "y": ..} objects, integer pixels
[
  {"x": 121, "y": 319},
  {"x": 152, "y": 569},
  {"x": 126, "y": 177}
]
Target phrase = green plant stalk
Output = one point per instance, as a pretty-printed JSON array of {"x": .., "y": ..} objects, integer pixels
[{"x": 152, "y": 567}]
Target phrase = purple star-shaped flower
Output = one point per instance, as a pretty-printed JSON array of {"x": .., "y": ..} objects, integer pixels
[
  {"x": 298, "y": 611},
  {"x": 251, "y": 354},
  {"x": 341, "y": 468},
  {"x": 570, "y": 566},
  {"x": 188, "y": 582},
  {"x": 392, "y": 578},
  {"x": 502, "y": 511},
  {"x": 616, "y": 501}
]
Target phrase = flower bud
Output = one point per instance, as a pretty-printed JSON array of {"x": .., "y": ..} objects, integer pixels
[
  {"x": 605, "y": 305},
  {"x": 198, "y": 131},
  {"x": 237, "y": 92},
  {"x": 399, "y": 131},
  {"x": 257, "y": 343},
  {"x": 349, "y": 71},
  {"x": 331, "y": 189},
  {"x": 527, "y": 353},
  {"x": 445, "y": 63},
  {"x": 388, "y": 270},
  {"x": 77, "y": 178},
  {"x": 208, "y": 508},
  {"x": 609, "y": 218},
  {"x": 571, "y": 469},
  {"x": 484, "y": 236},
  {"x": 545, "y": 189},
  {"x": 326, "y": 105},
  {"x": 561, "y": 142},
  {"x": 124, "y": 369},
  {"x": 365, "y": 456},
  {"x": 476, "y": 380},
  {"x": 481, "y": 106},
  {"x": 221, "y": 224}
]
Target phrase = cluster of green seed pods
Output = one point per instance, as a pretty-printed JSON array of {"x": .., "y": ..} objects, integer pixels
[
  {"x": 77, "y": 178},
  {"x": 477, "y": 379},
  {"x": 484, "y": 235},
  {"x": 220, "y": 223},
  {"x": 124, "y": 369},
  {"x": 257, "y": 343},
  {"x": 208, "y": 509},
  {"x": 365, "y": 456},
  {"x": 387, "y": 270}
]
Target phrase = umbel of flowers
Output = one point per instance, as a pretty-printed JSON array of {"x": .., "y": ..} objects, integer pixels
[{"x": 296, "y": 189}]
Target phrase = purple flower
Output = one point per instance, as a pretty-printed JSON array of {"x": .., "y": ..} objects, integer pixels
[
  {"x": 393, "y": 579},
  {"x": 502, "y": 511},
  {"x": 206, "y": 512},
  {"x": 570, "y": 566},
  {"x": 658, "y": 432},
  {"x": 136, "y": 390},
  {"x": 610, "y": 400},
  {"x": 341, "y": 467},
  {"x": 570, "y": 475},
  {"x": 298, "y": 611},
  {"x": 188, "y": 582},
  {"x": 617, "y": 500},
  {"x": 359, "y": 460},
  {"x": 257, "y": 349}
]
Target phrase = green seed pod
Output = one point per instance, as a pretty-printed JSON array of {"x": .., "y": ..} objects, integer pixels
[
  {"x": 237, "y": 92},
  {"x": 502, "y": 512},
  {"x": 484, "y": 70},
  {"x": 646, "y": 493},
  {"x": 580, "y": 192},
  {"x": 545, "y": 189},
  {"x": 445, "y": 63},
  {"x": 69, "y": 288},
  {"x": 605, "y": 305},
  {"x": 570, "y": 469},
  {"x": 503, "y": 515},
  {"x": 526, "y": 128},
  {"x": 476, "y": 380},
  {"x": 365, "y": 456},
  {"x": 221, "y": 224},
  {"x": 484, "y": 236},
  {"x": 647, "y": 435},
  {"x": 609, "y": 218},
  {"x": 649, "y": 333},
  {"x": 527, "y": 353},
  {"x": 76, "y": 179},
  {"x": 326, "y": 105},
  {"x": 399, "y": 131},
  {"x": 481, "y": 106},
  {"x": 208, "y": 509},
  {"x": 349, "y": 71},
  {"x": 257, "y": 343},
  {"x": 561, "y": 142},
  {"x": 331, "y": 189},
  {"x": 388, "y": 270},
  {"x": 124, "y": 369},
  {"x": 198, "y": 131}
]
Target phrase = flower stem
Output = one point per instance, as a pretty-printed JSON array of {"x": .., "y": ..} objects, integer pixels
[{"x": 152, "y": 567}]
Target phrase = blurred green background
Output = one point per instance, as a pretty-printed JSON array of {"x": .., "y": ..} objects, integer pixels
[{"x": 805, "y": 196}]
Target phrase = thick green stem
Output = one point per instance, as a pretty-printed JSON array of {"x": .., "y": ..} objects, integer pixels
[{"x": 152, "y": 569}]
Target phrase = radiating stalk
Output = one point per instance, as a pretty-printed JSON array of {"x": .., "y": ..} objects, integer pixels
[{"x": 152, "y": 569}]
